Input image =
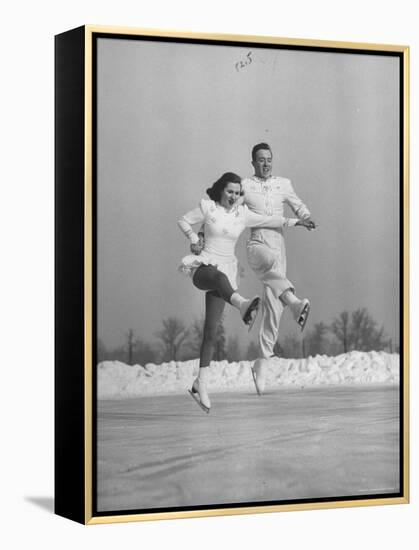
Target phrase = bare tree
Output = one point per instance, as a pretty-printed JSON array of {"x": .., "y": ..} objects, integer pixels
[
  {"x": 130, "y": 344},
  {"x": 143, "y": 353},
  {"x": 340, "y": 328},
  {"x": 173, "y": 336},
  {"x": 316, "y": 339},
  {"x": 365, "y": 336},
  {"x": 358, "y": 331},
  {"x": 133, "y": 351},
  {"x": 117, "y": 354}
]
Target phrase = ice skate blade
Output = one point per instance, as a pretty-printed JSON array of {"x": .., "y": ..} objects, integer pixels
[
  {"x": 195, "y": 397},
  {"x": 302, "y": 319},
  {"x": 248, "y": 319},
  {"x": 255, "y": 381}
]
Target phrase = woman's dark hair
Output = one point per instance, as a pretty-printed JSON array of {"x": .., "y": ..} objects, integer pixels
[{"x": 217, "y": 188}]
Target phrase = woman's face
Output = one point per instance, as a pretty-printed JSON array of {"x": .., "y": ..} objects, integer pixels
[{"x": 230, "y": 195}]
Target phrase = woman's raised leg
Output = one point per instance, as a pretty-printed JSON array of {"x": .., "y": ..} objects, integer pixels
[{"x": 208, "y": 277}]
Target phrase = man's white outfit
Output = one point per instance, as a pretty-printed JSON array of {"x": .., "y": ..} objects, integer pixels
[{"x": 266, "y": 249}]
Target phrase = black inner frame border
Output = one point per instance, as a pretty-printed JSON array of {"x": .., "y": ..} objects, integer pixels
[{"x": 253, "y": 45}]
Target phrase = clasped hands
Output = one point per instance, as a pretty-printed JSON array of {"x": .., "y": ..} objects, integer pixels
[
  {"x": 308, "y": 224},
  {"x": 196, "y": 248}
]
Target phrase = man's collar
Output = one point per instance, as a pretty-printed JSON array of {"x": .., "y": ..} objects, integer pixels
[{"x": 261, "y": 180}]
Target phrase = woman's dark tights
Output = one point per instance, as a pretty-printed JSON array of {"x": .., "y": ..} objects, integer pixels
[
  {"x": 219, "y": 291},
  {"x": 208, "y": 277}
]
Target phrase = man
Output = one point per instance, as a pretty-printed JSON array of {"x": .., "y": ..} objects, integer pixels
[{"x": 267, "y": 194}]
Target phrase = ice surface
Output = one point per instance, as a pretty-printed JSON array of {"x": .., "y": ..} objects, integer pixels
[{"x": 289, "y": 444}]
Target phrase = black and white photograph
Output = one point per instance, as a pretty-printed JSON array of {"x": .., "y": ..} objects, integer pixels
[
  {"x": 210, "y": 256},
  {"x": 248, "y": 300}
]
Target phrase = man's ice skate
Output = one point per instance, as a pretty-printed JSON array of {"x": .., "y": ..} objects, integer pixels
[
  {"x": 301, "y": 312},
  {"x": 258, "y": 375},
  {"x": 249, "y": 310},
  {"x": 199, "y": 393}
]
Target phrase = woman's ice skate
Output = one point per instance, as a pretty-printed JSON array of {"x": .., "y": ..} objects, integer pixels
[
  {"x": 199, "y": 393},
  {"x": 249, "y": 311}
]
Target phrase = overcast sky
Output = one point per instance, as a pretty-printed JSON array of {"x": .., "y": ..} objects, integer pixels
[{"x": 173, "y": 117}]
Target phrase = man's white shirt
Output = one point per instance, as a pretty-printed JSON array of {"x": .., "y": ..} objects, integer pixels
[{"x": 268, "y": 197}]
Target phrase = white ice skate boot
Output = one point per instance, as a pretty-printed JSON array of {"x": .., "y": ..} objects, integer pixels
[
  {"x": 258, "y": 374},
  {"x": 199, "y": 392},
  {"x": 248, "y": 309},
  {"x": 300, "y": 311},
  {"x": 299, "y": 308}
]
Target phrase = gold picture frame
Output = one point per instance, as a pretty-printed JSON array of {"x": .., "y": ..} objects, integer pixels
[{"x": 76, "y": 383}]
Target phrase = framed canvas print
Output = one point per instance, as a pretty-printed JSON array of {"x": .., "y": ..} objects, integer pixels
[{"x": 231, "y": 274}]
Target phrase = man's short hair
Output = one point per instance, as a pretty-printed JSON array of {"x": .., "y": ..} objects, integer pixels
[{"x": 258, "y": 147}]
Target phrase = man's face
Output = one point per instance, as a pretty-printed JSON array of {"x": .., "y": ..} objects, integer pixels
[{"x": 263, "y": 163}]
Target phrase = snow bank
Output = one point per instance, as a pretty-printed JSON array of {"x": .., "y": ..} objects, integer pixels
[{"x": 118, "y": 380}]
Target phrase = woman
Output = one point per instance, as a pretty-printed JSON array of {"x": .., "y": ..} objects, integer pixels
[{"x": 213, "y": 266}]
